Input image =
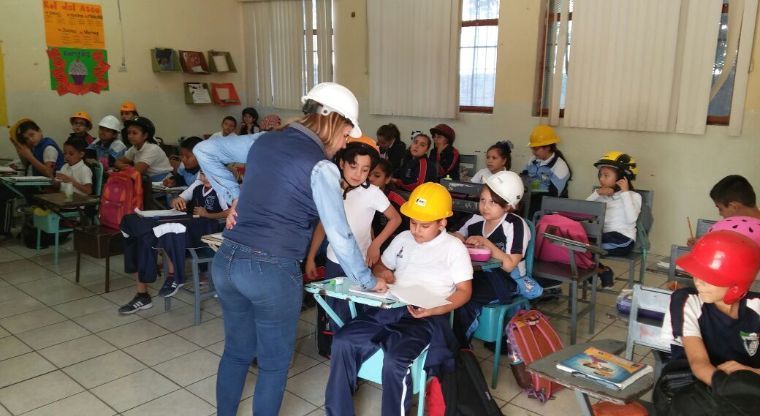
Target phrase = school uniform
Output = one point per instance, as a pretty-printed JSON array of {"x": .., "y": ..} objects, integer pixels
[
  {"x": 198, "y": 196},
  {"x": 47, "y": 151},
  {"x": 620, "y": 217},
  {"x": 545, "y": 177},
  {"x": 447, "y": 163},
  {"x": 511, "y": 236},
  {"x": 413, "y": 172},
  {"x": 438, "y": 265},
  {"x": 186, "y": 176},
  {"x": 107, "y": 153},
  {"x": 152, "y": 155},
  {"x": 394, "y": 153},
  {"x": 80, "y": 172},
  {"x": 482, "y": 175}
]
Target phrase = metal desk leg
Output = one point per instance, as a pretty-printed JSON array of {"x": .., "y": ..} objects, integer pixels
[
  {"x": 328, "y": 310},
  {"x": 584, "y": 403}
]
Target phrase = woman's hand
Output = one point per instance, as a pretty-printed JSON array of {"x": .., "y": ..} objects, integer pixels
[
  {"x": 373, "y": 255},
  {"x": 232, "y": 216}
]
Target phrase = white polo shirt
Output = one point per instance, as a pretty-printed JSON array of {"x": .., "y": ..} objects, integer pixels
[
  {"x": 152, "y": 155},
  {"x": 80, "y": 172},
  {"x": 360, "y": 205}
]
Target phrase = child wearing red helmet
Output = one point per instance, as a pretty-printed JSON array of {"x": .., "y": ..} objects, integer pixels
[{"x": 714, "y": 329}]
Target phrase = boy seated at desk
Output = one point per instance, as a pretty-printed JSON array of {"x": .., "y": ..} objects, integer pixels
[
  {"x": 186, "y": 168},
  {"x": 428, "y": 256},
  {"x": 201, "y": 201},
  {"x": 75, "y": 176},
  {"x": 714, "y": 331}
]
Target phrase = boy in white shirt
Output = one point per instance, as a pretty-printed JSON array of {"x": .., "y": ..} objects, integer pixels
[
  {"x": 423, "y": 256},
  {"x": 75, "y": 173}
]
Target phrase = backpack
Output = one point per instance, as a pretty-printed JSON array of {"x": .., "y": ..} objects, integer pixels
[
  {"x": 122, "y": 193},
  {"x": 463, "y": 392},
  {"x": 563, "y": 227},
  {"x": 531, "y": 337}
]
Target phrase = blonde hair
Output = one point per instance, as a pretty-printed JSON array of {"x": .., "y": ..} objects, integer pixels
[{"x": 328, "y": 128}]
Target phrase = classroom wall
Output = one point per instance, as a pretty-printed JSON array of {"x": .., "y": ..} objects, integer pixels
[
  {"x": 679, "y": 168},
  {"x": 179, "y": 24}
]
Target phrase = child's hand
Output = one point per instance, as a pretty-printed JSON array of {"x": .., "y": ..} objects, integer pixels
[
  {"x": 310, "y": 269},
  {"x": 373, "y": 255},
  {"x": 200, "y": 211},
  {"x": 418, "y": 312},
  {"x": 730, "y": 366},
  {"x": 380, "y": 286},
  {"x": 690, "y": 242},
  {"x": 169, "y": 182},
  {"x": 179, "y": 204},
  {"x": 24, "y": 152},
  {"x": 623, "y": 184},
  {"x": 63, "y": 178},
  {"x": 605, "y": 191},
  {"x": 459, "y": 236},
  {"x": 387, "y": 276}
]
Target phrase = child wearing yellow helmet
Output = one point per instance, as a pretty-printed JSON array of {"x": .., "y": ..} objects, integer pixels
[
  {"x": 547, "y": 172},
  {"x": 81, "y": 124},
  {"x": 424, "y": 256},
  {"x": 617, "y": 171}
]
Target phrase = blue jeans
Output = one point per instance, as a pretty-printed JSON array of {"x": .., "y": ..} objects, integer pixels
[{"x": 261, "y": 300}]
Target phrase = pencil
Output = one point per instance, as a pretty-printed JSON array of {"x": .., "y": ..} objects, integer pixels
[{"x": 691, "y": 231}]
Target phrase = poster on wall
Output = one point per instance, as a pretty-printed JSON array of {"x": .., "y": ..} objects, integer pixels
[
  {"x": 78, "y": 71},
  {"x": 76, "y": 47}
]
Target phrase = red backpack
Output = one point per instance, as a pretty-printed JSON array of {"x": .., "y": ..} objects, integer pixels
[
  {"x": 122, "y": 193},
  {"x": 531, "y": 337},
  {"x": 563, "y": 227}
]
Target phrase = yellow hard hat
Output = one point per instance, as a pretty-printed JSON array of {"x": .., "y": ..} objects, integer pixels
[
  {"x": 543, "y": 135},
  {"x": 620, "y": 161},
  {"x": 83, "y": 115},
  {"x": 12, "y": 132},
  {"x": 428, "y": 202},
  {"x": 128, "y": 106}
]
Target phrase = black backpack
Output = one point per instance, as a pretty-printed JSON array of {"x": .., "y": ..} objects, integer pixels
[{"x": 464, "y": 391}]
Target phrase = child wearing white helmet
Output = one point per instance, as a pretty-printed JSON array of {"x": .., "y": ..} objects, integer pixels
[
  {"x": 108, "y": 147},
  {"x": 507, "y": 236},
  {"x": 617, "y": 171}
]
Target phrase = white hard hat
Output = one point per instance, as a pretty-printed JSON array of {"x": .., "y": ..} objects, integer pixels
[
  {"x": 339, "y": 99},
  {"x": 111, "y": 122},
  {"x": 507, "y": 185}
]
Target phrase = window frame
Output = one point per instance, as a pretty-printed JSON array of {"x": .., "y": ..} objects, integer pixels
[{"x": 478, "y": 23}]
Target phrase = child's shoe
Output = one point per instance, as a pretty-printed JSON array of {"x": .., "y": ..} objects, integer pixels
[
  {"x": 607, "y": 278},
  {"x": 528, "y": 287},
  {"x": 139, "y": 302},
  {"x": 170, "y": 288}
]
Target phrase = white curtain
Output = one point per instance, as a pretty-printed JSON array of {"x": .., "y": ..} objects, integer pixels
[
  {"x": 414, "y": 57},
  {"x": 279, "y": 50},
  {"x": 622, "y": 63}
]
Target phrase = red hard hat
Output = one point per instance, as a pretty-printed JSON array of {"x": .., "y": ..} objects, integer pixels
[{"x": 724, "y": 259}]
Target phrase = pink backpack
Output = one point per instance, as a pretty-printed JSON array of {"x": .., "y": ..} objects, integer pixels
[
  {"x": 531, "y": 337},
  {"x": 121, "y": 195},
  {"x": 563, "y": 227}
]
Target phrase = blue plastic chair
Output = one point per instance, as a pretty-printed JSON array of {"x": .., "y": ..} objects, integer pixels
[{"x": 493, "y": 318}]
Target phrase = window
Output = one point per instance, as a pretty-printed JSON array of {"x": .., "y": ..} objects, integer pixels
[
  {"x": 720, "y": 105},
  {"x": 477, "y": 55},
  {"x": 311, "y": 39}
]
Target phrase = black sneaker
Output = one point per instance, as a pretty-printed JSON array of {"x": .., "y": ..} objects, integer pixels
[
  {"x": 169, "y": 288},
  {"x": 607, "y": 278},
  {"x": 139, "y": 302}
]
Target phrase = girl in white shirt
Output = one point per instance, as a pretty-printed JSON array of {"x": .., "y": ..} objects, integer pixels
[
  {"x": 498, "y": 158},
  {"x": 617, "y": 170},
  {"x": 144, "y": 155}
]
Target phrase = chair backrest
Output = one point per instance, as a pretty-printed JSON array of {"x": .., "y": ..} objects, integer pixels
[
  {"x": 589, "y": 213},
  {"x": 530, "y": 253},
  {"x": 467, "y": 188},
  {"x": 97, "y": 175},
  {"x": 703, "y": 226},
  {"x": 645, "y": 221},
  {"x": 645, "y": 331}
]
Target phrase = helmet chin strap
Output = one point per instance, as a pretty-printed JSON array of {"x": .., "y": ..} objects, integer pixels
[{"x": 350, "y": 187}]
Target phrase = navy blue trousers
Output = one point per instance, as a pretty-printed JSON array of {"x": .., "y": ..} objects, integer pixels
[{"x": 402, "y": 338}]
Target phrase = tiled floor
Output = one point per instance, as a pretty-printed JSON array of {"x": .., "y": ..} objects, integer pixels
[{"x": 64, "y": 350}]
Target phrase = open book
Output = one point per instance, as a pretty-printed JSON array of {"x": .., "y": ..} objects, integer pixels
[
  {"x": 411, "y": 295},
  {"x": 604, "y": 368}
]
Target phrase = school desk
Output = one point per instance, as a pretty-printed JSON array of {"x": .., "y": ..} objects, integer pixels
[
  {"x": 585, "y": 388},
  {"x": 18, "y": 183}
]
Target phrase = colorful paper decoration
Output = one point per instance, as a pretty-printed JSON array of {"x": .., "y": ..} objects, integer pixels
[{"x": 78, "y": 71}]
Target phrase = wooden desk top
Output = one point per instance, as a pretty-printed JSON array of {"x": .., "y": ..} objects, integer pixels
[
  {"x": 58, "y": 200},
  {"x": 547, "y": 368}
]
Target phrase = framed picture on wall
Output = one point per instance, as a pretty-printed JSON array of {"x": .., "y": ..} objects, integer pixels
[
  {"x": 193, "y": 62},
  {"x": 224, "y": 94},
  {"x": 220, "y": 61},
  {"x": 197, "y": 93},
  {"x": 164, "y": 60}
]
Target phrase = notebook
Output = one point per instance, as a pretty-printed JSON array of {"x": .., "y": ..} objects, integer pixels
[{"x": 607, "y": 369}]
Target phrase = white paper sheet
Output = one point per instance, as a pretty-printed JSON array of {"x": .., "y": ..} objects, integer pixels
[
  {"x": 418, "y": 296},
  {"x": 220, "y": 61}
]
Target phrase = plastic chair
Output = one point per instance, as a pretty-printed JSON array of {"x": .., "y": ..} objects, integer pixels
[
  {"x": 647, "y": 331},
  {"x": 198, "y": 256},
  {"x": 591, "y": 214},
  {"x": 372, "y": 370},
  {"x": 640, "y": 251}
]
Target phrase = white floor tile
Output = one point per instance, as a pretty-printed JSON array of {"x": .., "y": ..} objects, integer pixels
[
  {"x": 102, "y": 369},
  {"x": 207, "y": 333},
  {"x": 53, "y": 334},
  {"x": 190, "y": 368},
  {"x": 161, "y": 349},
  {"x": 84, "y": 306},
  {"x": 23, "y": 367},
  {"x": 206, "y": 388},
  {"x": 134, "y": 389},
  {"x": 181, "y": 402},
  {"x": 12, "y": 347},
  {"x": 77, "y": 350},
  {"x": 134, "y": 333},
  {"x": 84, "y": 403},
  {"x": 106, "y": 319},
  {"x": 310, "y": 384},
  {"x": 37, "y": 392},
  {"x": 31, "y": 320}
]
